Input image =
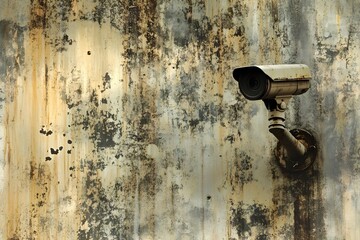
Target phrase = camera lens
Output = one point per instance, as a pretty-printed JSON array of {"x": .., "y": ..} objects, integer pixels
[
  {"x": 253, "y": 86},
  {"x": 253, "y": 82}
]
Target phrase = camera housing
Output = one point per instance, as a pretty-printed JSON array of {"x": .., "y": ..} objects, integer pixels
[{"x": 271, "y": 81}]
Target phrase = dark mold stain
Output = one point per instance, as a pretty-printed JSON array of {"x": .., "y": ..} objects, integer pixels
[
  {"x": 251, "y": 219},
  {"x": 73, "y": 99},
  {"x": 260, "y": 216},
  {"x": 54, "y": 151},
  {"x": 106, "y": 82},
  {"x": 103, "y": 125},
  {"x": 42, "y": 131},
  {"x": 45, "y": 132},
  {"x": 60, "y": 44},
  {"x": 227, "y": 17},
  {"x": 105, "y": 130},
  {"x": 145, "y": 118},
  {"x": 210, "y": 112},
  {"x": 107, "y": 10},
  {"x": 11, "y": 57},
  {"x": 239, "y": 32},
  {"x": 303, "y": 192},
  {"x": 164, "y": 94},
  {"x": 100, "y": 209},
  {"x": 230, "y": 138},
  {"x": 176, "y": 16},
  {"x": 205, "y": 113},
  {"x": 234, "y": 112},
  {"x": 38, "y": 14},
  {"x": 40, "y": 176},
  {"x": 47, "y": 14},
  {"x": 243, "y": 169},
  {"x": 184, "y": 28},
  {"x": 152, "y": 28},
  {"x": 67, "y": 39},
  {"x": 194, "y": 123},
  {"x": 150, "y": 182},
  {"x": 94, "y": 98},
  {"x": 48, "y": 159}
]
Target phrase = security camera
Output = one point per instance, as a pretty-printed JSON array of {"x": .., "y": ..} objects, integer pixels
[
  {"x": 271, "y": 81},
  {"x": 275, "y": 85}
]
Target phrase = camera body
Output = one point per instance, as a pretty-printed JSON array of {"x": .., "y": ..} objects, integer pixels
[{"x": 261, "y": 82}]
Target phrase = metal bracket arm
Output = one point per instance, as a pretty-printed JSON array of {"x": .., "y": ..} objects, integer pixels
[{"x": 296, "y": 148}]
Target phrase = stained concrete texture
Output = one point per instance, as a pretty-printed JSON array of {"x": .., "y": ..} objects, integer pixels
[{"x": 121, "y": 120}]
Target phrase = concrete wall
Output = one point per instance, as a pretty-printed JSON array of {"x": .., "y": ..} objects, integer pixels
[{"x": 121, "y": 120}]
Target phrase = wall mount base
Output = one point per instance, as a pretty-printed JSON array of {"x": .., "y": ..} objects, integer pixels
[{"x": 297, "y": 164}]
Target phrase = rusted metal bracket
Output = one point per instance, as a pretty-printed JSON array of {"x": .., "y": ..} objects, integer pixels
[
  {"x": 296, "y": 163},
  {"x": 296, "y": 149}
]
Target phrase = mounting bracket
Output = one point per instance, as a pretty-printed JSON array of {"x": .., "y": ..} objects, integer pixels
[{"x": 296, "y": 149}]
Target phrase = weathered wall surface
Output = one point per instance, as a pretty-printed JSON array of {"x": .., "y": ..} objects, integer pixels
[{"x": 121, "y": 120}]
